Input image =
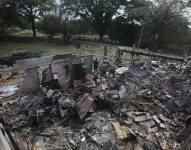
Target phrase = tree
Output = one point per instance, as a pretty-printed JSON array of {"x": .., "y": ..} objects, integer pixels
[
  {"x": 8, "y": 14},
  {"x": 32, "y": 9},
  {"x": 74, "y": 27},
  {"x": 67, "y": 30},
  {"x": 98, "y": 12},
  {"x": 51, "y": 25},
  {"x": 126, "y": 27},
  {"x": 124, "y": 32},
  {"x": 165, "y": 24}
]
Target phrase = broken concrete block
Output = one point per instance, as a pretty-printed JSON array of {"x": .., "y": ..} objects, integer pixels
[
  {"x": 122, "y": 132},
  {"x": 84, "y": 105}
]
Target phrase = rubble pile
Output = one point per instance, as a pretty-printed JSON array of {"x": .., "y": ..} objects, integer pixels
[{"x": 145, "y": 105}]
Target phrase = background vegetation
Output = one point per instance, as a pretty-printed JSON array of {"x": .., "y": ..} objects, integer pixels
[{"x": 157, "y": 25}]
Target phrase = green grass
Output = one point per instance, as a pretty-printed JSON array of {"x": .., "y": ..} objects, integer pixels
[
  {"x": 25, "y": 42},
  {"x": 94, "y": 36}
]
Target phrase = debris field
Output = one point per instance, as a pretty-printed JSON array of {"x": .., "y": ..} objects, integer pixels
[{"x": 93, "y": 104}]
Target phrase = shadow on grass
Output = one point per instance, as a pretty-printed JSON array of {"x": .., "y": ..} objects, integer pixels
[{"x": 27, "y": 39}]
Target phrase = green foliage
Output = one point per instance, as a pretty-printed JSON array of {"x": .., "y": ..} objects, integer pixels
[
  {"x": 127, "y": 26},
  {"x": 33, "y": 9},
  {"x": 124, "y": 32},
  {"x": 74, "y": 27},
  {"x": 99, "y": 13},
  {"x": 8, "y": 15},
  {"x": 67, "y": 30},
  {"x": 165, "y": 25},
  {"x": 136, "y": 10},
  {"x": 51, "y": 25}
]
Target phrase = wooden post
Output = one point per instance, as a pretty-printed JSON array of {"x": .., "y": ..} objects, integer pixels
[
  {"x": 105, "y": 51},
  {"x": 140, "y": 37},
  {"x": 117, "y": 56}
]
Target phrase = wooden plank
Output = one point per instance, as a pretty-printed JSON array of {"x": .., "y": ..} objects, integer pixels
[{"x": 151, "y": 54}]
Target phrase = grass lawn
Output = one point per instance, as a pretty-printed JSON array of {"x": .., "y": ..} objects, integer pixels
[
  {"x": 93, "y": 37},
  {"x": 24, "y": 42}
]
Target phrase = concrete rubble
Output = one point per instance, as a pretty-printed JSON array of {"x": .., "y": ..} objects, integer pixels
[{"x": 145, "y": 105}]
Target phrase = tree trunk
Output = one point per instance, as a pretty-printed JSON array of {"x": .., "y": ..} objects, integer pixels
[
  {"x": 33, "y": 27},
  {"x": 51, "y": 37},
  {"x": 66, "y": 37},
  {"x": 101, "y": 36}
]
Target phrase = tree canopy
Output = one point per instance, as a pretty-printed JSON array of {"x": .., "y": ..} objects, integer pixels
[
  {"x": 98, "y": 12},
  {"x": 161, "y": 24},
  {"x": 164, "y": 21},
  {"x": 32, "y": 9},
  {"x": 8, "y": 14}
]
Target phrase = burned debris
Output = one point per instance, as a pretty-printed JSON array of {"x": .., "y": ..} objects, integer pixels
[
  {"x": 11, "y": 60},
  {"x": 91, "y": 103}
]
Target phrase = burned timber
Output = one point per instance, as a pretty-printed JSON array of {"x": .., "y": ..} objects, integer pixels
[{"x": 96, "y": 102}]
